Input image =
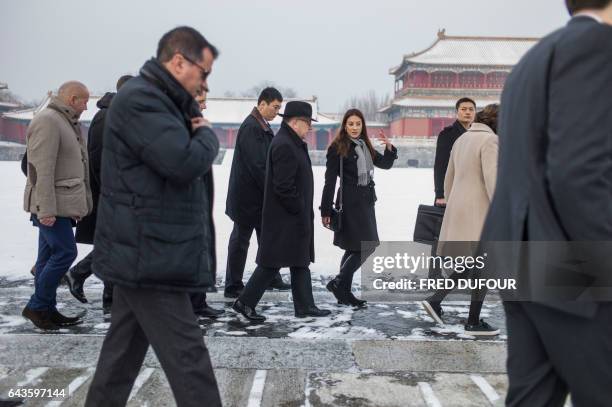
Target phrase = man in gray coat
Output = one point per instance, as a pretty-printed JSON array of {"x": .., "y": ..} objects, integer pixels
[{"x": 57, "y": 194}]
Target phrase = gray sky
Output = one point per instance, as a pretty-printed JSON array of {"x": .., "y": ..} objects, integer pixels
[{"x": 334, "y": 49}]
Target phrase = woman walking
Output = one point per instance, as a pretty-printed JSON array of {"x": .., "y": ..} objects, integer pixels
[
  {"x": 468, "y": 189},
  {"x": 351, "y": 151}
]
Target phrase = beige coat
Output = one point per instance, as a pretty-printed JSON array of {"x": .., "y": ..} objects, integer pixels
[
  {"x": 58, "y": 167},
  {"x": 469, "y": 184}
]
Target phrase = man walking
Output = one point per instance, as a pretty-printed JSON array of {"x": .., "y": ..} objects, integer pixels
[
  {"x": 553, "y": 184},
  {"x": 198, "y": 300},
  {"x": 245, "y": 192},
  {"x": 86, "y": 228},
  {"x": 466, "y": 112},
  {"x": 287, "y": 238},
  {"x": 154, "y": 239},
  {"x": 57, "y": 194}
]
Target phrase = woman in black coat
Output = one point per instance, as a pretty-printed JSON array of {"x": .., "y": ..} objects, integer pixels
[{"x": 353, "y": 148}]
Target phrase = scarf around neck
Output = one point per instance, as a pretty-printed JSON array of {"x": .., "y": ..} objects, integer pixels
[{"x": 365, "y": 166}]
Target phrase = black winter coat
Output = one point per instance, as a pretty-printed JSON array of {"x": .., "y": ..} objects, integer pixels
[
  {"x": 245, "y": 191},
  {"x": 359, "y": 217},
  {"x": 154, "y": 227},
  {"x": 86, "y": 228},
  {"x": 287, "y": 219},
  {"x": 444, "y": 145}
]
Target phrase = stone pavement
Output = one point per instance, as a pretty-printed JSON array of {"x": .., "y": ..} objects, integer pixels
[{"x": 387, "y": 354}]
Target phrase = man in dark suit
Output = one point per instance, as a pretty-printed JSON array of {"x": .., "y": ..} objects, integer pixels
[
  {"x": 553, "y": 185},
  {"x": 466, "y": 112},
  {"x": 287, "y": 238},
  {"x": 245, "y": 192},
  {"x": 86, "y": 228}
]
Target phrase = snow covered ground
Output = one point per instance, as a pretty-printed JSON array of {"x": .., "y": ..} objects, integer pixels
[{"x": 399, "y": 192}]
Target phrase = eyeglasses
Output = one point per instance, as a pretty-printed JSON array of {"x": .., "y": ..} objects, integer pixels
[
  {"x": 307, "y": 121},
  {"x": 204, "y": 73}
]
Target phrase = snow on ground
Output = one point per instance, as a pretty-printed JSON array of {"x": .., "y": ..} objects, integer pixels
[{"x": 399, "y": 191}]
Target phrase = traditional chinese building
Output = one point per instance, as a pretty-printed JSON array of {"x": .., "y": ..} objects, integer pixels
[{"x": 428, "y": 83}]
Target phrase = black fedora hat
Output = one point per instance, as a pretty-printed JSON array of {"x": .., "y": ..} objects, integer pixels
[{"x": 297, "y": 108}]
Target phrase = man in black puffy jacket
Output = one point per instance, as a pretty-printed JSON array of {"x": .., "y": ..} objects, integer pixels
[{"x": 154, "y": 234}]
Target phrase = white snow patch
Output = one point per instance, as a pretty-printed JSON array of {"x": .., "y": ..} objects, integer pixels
[
  {"x": 406, "y": 314},
  {"x": 232, "y": 333},
  {"x": 9, "y": 321}
]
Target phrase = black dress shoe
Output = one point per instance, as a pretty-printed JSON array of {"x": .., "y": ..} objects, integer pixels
[
  {"x": 356, "y": 302},
  {"x": 247, "y": 312},
  {"x": 312, "y": 312},
  {"x": 75, "y": 285},
  {"x": 340, "y": 294},
  {"x": 62, "y": 320},
  {"x": 209, "y": 312},
  {"x": 232, "y": 292},
  {"x": 41, "y": 319},
  {"x": 279, "y": 284}
]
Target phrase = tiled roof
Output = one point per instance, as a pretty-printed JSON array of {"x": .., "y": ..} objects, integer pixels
[
  {"x": 491, "y": 51},
  {"x": 432, "y": 102}
]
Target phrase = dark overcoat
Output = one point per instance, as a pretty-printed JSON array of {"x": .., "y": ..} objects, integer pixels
[
  {"x": 86, "y": 228},
  {"x": 245, "y": 191},
  {"x": 155, "y": 227},
  {"x": 287, "y": 218},
  {"x": 555, "y": 147},
  {"x": 444, "y": 145},
  {"x": 359, "y": 217}
]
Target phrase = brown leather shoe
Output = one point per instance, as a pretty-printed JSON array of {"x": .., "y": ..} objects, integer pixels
[{"x": 41, "y": 319}]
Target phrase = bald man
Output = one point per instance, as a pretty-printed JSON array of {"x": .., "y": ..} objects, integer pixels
[{"x": 57, "y": 194}]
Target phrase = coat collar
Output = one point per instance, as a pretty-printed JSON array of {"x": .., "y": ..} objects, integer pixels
[
  {"x": 457, "y": 125},
  {"x": 158, "y": 75},
  {"x": 257, "y": 115},
  {"x": 481, "y": 127},
  {"x": 293, "y": 135},
  {"x": 68, "y": 112}
]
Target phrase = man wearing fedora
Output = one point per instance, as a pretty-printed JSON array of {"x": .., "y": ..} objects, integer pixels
[{"x": 287, "y": 238}]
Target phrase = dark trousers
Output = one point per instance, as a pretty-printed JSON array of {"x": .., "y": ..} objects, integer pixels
[
  {"x": 350, "y": 263},
  {"x": 237, "y": 251},
  {"x": 166, "y": 321},
  {"x": 82, "y": 271},
  {"x": 56, "y": 251},
  {"x": 198, "y": 301},
  {"x": 301, "y": 287},
  {"x": 551, "y": 353},
  {"x": 475, "y": 303}
]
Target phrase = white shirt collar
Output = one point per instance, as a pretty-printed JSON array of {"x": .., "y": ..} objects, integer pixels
[{"x": 589, "y": 14}]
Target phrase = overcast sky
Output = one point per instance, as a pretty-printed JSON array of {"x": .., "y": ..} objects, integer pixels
[{"x": 334, "y": 49}]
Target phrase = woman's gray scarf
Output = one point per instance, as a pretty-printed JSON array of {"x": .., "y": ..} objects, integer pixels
[{"x": 365, "y": 166}]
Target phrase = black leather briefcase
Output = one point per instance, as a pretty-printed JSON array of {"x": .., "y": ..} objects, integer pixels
[{"x": 428, "y": 224}]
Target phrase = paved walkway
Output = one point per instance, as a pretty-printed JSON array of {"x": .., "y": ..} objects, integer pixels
[{"x": 388, "y": 354}]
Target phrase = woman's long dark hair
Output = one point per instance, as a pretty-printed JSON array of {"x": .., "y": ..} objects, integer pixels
[{"x": 342, "y": 141}]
